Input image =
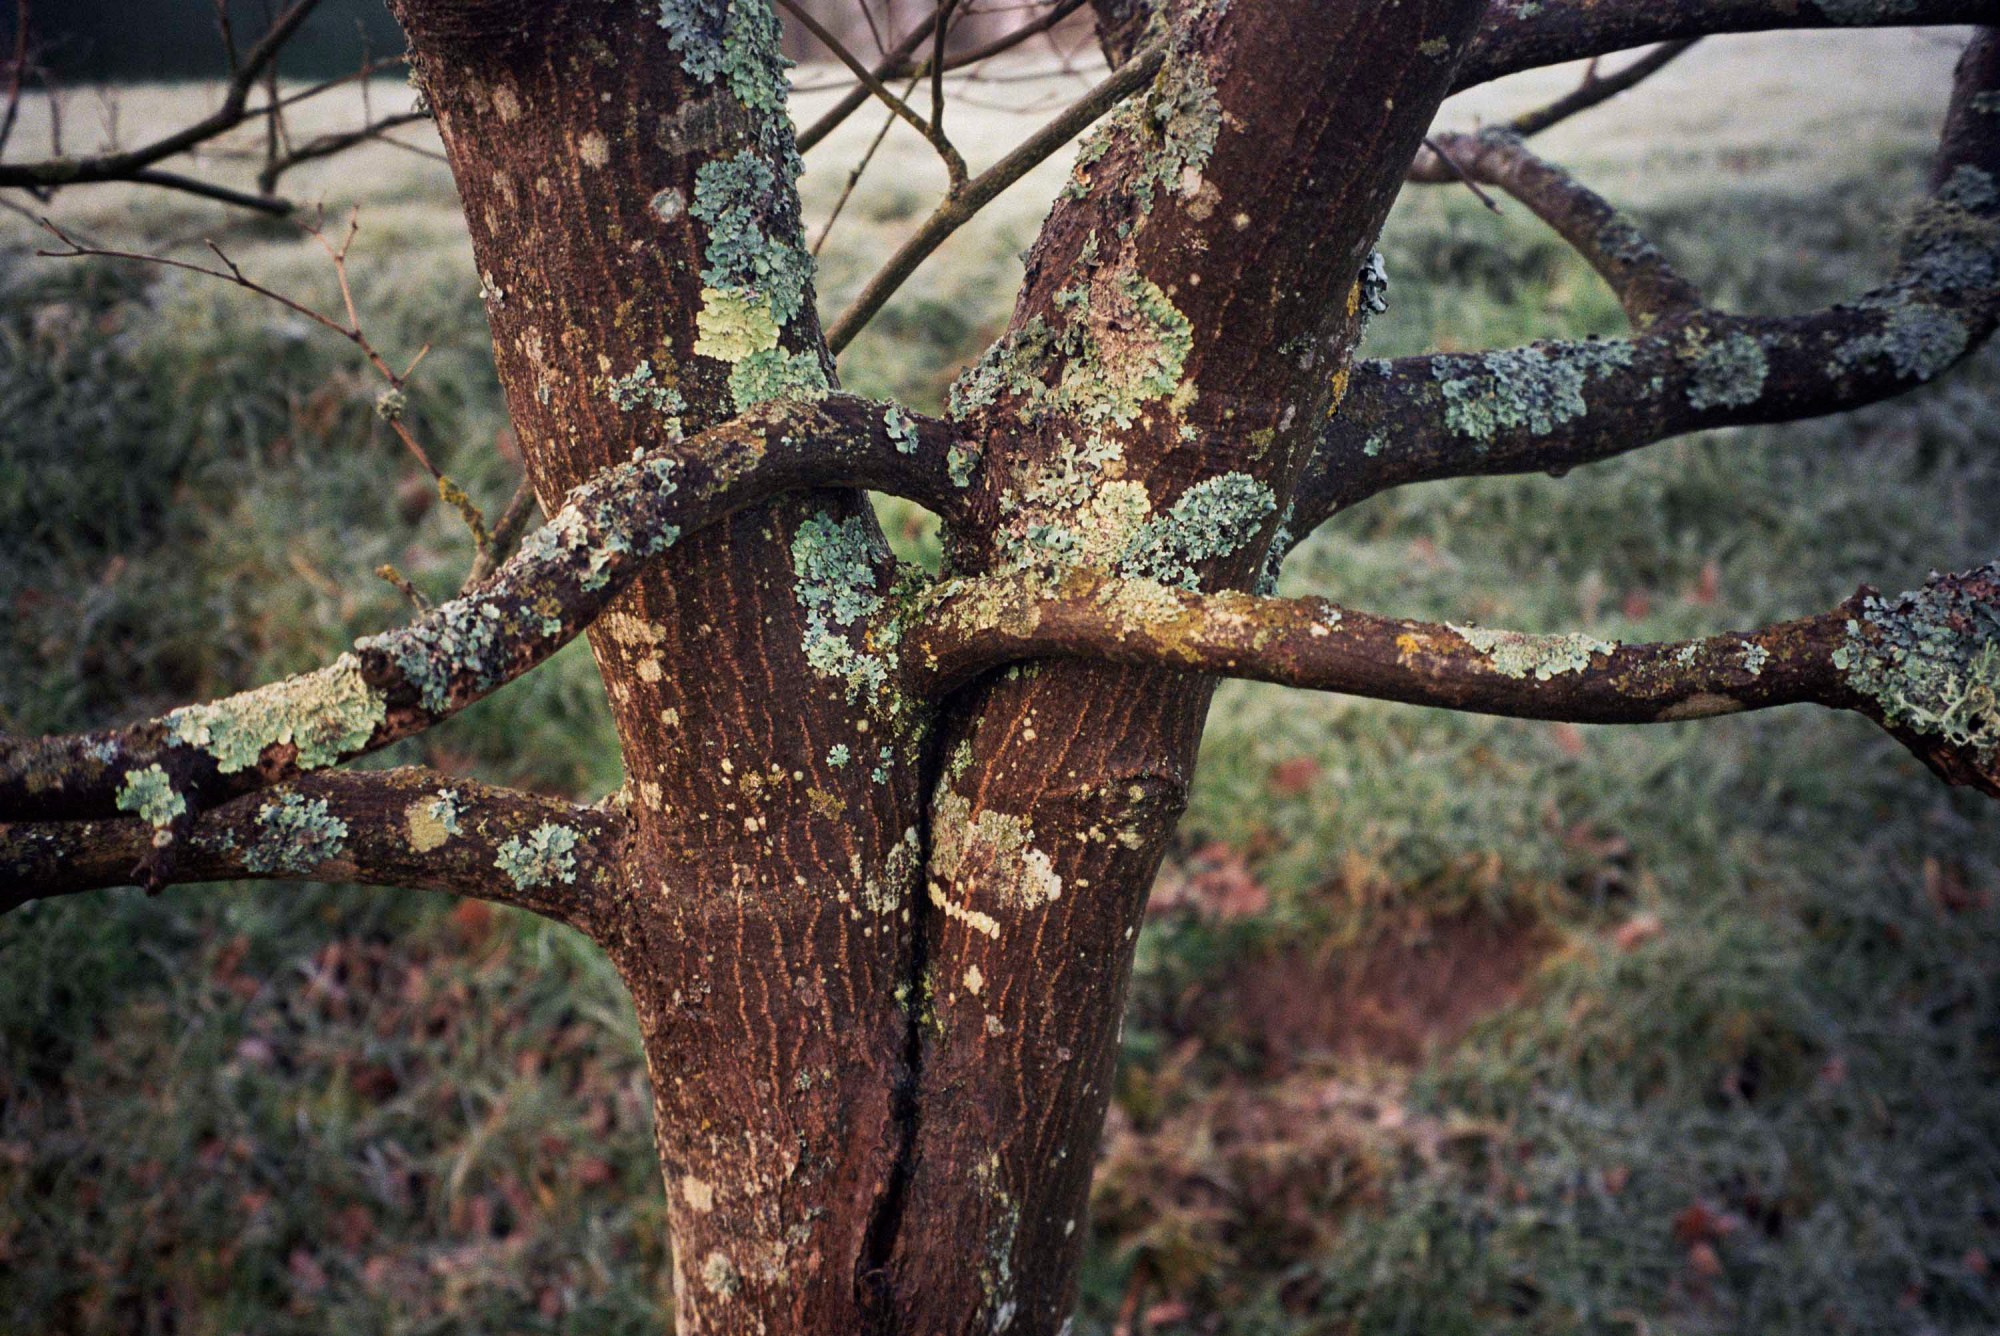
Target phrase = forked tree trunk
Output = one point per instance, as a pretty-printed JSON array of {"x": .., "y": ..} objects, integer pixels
[{"x": 879, "y": 959}]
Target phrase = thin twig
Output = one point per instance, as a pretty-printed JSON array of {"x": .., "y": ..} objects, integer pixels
[
  {"x": 982, "y": 190},
  {"x": 1451, "y": 164}
]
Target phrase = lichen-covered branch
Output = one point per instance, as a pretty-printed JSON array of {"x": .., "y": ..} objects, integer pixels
[
  {"x": 411, "y": 828},
  {"x": 1926, "y": 665},
  {"x": 1647, "y": 285},
  {"x": 1553, "y": 406},
  {"x": 1521, "y": 35},
  {"x": 401, "y": 682}
]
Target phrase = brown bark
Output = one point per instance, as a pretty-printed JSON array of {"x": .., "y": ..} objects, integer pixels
[{"x": 881, "y": 856}]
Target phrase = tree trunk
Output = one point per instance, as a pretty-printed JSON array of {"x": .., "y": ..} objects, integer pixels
[{"x": 881, "y": 1037}]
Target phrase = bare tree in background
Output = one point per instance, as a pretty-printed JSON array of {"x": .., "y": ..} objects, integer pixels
[{"x": 876, "y": 874}]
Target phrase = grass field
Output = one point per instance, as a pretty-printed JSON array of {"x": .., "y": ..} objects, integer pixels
[{"x": 1442, "y": 1025}]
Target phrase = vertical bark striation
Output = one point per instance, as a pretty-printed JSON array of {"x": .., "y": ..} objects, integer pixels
[
  {"x": 765, "y": 930},
  {"x": 1186, "y": 322}
]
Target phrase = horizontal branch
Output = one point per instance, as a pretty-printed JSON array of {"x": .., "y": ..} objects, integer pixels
[
  {"x": 402, "y": 682},
  {"x": 1521, "y": 35},
  {"x": 1926, "y": 666},
  {"x": 1597, "y": 89},
  {"x": 126, "y": 165},
  {"x": 1552, "y": 406},
  {"x": 411, "y": 828}
]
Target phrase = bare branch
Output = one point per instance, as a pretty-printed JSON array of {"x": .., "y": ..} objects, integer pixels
[
  {"x": 402, "y": 682},
  {"x": 985, "y": 188},
  {"x": 1597, "y": 89},
  {"x": 1646, "y": 284},
  {"x": 63, "y": 171},
  {"x": 1926, "y": 666},
  {"x": 932, "y": 130},
  {"x": 412, "y": 828},
  {"x": 1521, "y": 35}
]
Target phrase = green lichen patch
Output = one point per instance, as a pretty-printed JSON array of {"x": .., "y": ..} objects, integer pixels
[
  {"x": 328, "y": 716},
  {"x": 1931, "y": 659},
  {"x": 545, "y": 856},
  {"x": 834, "y": 563},
  {"x": 295, "y": 834},
  {"x": 996, "y": 845},
  {"x": 1725, "y": 372},
  {"x": 431, "y": 822},
  {"x": 1213, "y": 519},
  {"x": 774, "y": 374},
  {"x": 1916, "y": 340},
  {"x": 1968, "y": 187},
  {"x": 1536, "y": 388},
  {"x": 752, "y": 233},
  {"x": 901, "y": 428},
  {"x": 641, "y": 388},
  {"x": 150, "y": 793},
  {"x": 1513, "y": 654}
]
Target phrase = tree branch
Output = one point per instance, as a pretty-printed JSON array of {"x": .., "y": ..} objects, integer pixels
[
  {"x": 1553, "y": 406},
  {"x": 1596, "y": 89},
  {"x": 1647, "y": 286},
  {"x": 959, "y": 207},
  {"x": 412, "y": 828},
  {"x": 63, "y": 171},
  {"x": 1925, "y": 666},
  {"x": 402, "y": 682},
  {"x": 1521, "y": 35}
]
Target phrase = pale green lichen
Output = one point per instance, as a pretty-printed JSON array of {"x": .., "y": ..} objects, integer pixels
[
  {"x": 834, "y": 564},
  {"x": 961, "y": 462},
  {"x": 901, "y": 428},
  {"x": 1120, "y": 350},
  {"x": 1513, "y": 654},
  {"x": 327, "y": 716},
  {"x": 150, "y": 793},
  {"x": 1213, "y": 519},
  {"x": 1536, "y": 388},
  {"x": 544, "y": 857},
  {"x": 1727, "y": 372},
  {"x": 773, "y": 374},
  {"x": 1970, "y": 188},
  {"x": 999, "y": 845},
  {"x": 838, "y": 755},
  {"x": 1917, "y": 341},
  {"x": 295, "y": 834},
  {"x": 1755, "y": 656},
  {"x": 1931, "y": 659},
  {"x": 639, "y": 388}
]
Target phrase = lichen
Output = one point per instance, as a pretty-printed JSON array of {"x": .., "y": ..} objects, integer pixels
[
  {"x": 901, "y": 428},
  {"x": 1931, "y": 659},
  {"x": 720, "y": 1275},
  {"x": 150, "y": 793},
  {"x": 295, "y": 834},
  {"x": 639, "y": 388},
  {"x": 998, "y": 846},
  {"x": 1970, "y": 188},
  {"x": 1212, "y": 519},
  {"x": 834, "y": 563},
  {"x": 1513, "y": 654},
  {"x": 432, "y": 822},
  {"x": 463, "y": 637},
  {"x": 327, "y": 716},
  {"x": 544, "y": 857},
  {"x": 1727, "y": 372},
  {"x": 1536, "y": 388},
  {"x": 1918, "y": 341},
  {"x": 838, "y": 755}
]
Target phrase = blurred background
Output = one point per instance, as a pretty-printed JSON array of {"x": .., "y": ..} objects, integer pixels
[{"x": 1442, "y": 1025}]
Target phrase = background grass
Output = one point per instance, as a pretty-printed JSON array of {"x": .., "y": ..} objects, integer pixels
[{"x": 1441, "y": 1024}]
